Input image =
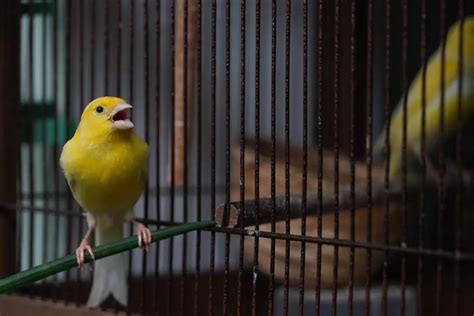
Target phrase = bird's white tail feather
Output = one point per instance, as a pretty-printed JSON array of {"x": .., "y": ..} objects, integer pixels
[{"x": 110, "y": 274}]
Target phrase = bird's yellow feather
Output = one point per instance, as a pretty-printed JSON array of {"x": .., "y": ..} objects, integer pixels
[
  {"x": 433, "y": 96},
  {"x": 108, "y": 167}
]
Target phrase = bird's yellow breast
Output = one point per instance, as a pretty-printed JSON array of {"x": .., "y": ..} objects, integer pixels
[{"x": 106, "y": 176}]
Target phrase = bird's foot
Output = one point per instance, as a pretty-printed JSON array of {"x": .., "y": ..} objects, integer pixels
[
  {"x": 83, "y": 246},
  {"x": 144, "y": 236}
]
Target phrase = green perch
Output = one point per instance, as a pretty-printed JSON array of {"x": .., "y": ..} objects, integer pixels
[{"x": 45, "y": 270}]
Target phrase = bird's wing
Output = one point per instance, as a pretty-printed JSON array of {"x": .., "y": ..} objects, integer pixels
[
  {"x": 71, "y": 181},
  {"x": 64, "y": 161},
  {"x": 431, "y": 90}
]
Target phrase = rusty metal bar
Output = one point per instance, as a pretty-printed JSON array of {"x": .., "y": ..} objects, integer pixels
[
  {"x": 184, "y": 149},
  {"x": 131, "y": 30},
  {"x": 156, "y": 296},
  {"x": 319, "y": 132},
  {"x": 198, "y": 154},
  {"x": 459, "y": 162},
  {"x": 225, "y": 301},
  {"x": 213, "y": 154},
  {"x": 304, "y": 179},
  {"x": 106, "y": 46},
  {"x": 287, "y": 152},
  {"x": 387, "y": 149},
  {"x": 421, "y": 210},
  {"x": 257, "y": 153},
  {"x": 31, "y": 135},
  {"x": 93, "y": 47},
  {"x": 336, "y": 154},
  {"x": 432, "y": 253},
  {"x": 242, "y": 150},
  {"x": 271, "y": 290},
  {"x": 54, "y": 71},
  {"x": 81, "y": 99},
  {"x": 172, "y": 107},
  {"x": 404, "y": 150},
  {"x": 442, "y": 163},
  {"x": 369, "y": 146},
  {"x": 146, "y": 119},
  {"x": 9, "y": 139},
  {"x": 43, "y": 138},
  {"x": 352, "y": 159},
  {"x": 118, "y": 4},
  {"x": 68, "y": 72}
]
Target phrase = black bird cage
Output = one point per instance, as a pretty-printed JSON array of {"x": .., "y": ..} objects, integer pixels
[{"x": 263, "y": 116}]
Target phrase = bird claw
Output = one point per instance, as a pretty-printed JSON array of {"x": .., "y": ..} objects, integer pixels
[
  {"x": 83, "y": 246},
  {"x": 144, "y": 237}
]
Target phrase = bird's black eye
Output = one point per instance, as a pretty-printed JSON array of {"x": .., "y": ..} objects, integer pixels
[{"x": 99, "y": 109}]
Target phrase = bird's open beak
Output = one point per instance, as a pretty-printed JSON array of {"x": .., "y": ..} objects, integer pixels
[{"x": 119, "y": 116}]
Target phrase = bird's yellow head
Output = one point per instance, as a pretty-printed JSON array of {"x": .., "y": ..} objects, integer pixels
[
  {"x": 452, "y": 41},
  {"x": 104, "y": 116}
]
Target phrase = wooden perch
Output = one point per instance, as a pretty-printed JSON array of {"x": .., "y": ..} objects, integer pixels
[
  {"x": 236, "y": 213},
  {"x": 183, "y": 112}
]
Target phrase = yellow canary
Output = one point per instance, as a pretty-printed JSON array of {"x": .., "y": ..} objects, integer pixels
[
  {"x": 105, "y": 164},
  {"x": 433, "y": 79}
]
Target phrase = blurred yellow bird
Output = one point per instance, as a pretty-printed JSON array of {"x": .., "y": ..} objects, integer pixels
[
  {"x": 106, "y": 165},
  {"x": 433, "y": 98}
]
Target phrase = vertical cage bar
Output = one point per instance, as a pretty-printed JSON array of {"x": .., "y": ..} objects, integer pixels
[
  {"x": 31, "y": 135},
  {"x": 131, "y": 27},
  {"x": 336, "y": 156},
  {"x": 404, "y": 151},
  {"x": 287, "y": 151},
  {"x": 119, "y": 47},
  {"x": 271, "y": 290},
  {"x": 146, "y": 117},
  {"x": 9, "y": 141},
  {"x": 419, "y": 300},
  {"x": 304, "y": 179},
  {"x": 213, "y": 156},
  {"x": 227, "y": 152},
  {"x": 459, "y": 161},
  {"x": 81, "y": 100},
  {"x": 68, "y": 101},
  {"x": 319, "y": 133},
  {"x": 19, "y": 187},
  {"x": 257, "y": 155},
  {"x": 156, "y": 297},
  {"x": 369, "y": 146},
  {"x": 198, "y": 155},
  {"x": 172, "y": 149},
  {"x": 106, "y": 45},
  {"x": 185, "y": 153},
  {"x": 350, "y": 298},
  {"x": 92, "y": 58},
  {"x": 44, "y": 147},
  {"x": 54, "y": 71},
  {"x": 242, "y": 152},
  {"x": 442, "y": 165},
  {"x": 387, "y": 148},
  {"x": 93, "y": 48}
]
